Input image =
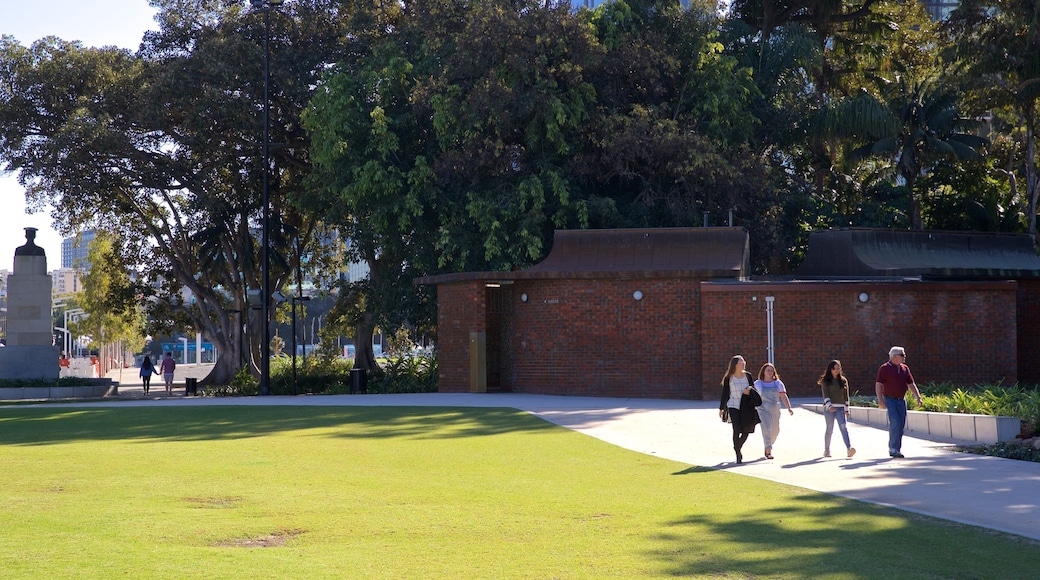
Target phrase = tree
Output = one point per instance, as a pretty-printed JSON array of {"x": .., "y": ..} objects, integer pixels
[
  {"x": 915, "y": 126},
  {"x": 1000, "y": 41},
  {"x": 109, "y": 298},
  {"x": 439, "y": 146},
  {"x": 163, "y": 148}
]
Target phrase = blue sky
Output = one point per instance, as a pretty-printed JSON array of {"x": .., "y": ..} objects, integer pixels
[{"x": 93, "y": 22}]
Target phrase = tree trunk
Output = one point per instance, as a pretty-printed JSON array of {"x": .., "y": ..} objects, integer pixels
[
  {"x": 1031, "y": 178},
  {"x": 232, "y": 344},
  {"x": 916, "y": 220},
  {"x": 364, "y": 358},
  {"x": 228, "y": 362}
]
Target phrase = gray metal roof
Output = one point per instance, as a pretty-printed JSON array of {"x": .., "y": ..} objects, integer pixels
[
  {"x": 936, "y": 255},
  {"x": 632, "y": 253}
]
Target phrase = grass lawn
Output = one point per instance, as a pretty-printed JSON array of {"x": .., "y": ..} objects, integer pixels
[{"x": 345, "y": 492}]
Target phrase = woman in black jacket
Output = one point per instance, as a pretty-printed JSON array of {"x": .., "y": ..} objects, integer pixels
[{"x": 739, "y": 400}]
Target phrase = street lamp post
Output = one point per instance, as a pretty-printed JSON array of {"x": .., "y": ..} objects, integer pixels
[
  {"x": 266, "y": 6},
  {"x": 68, "y": 335}
]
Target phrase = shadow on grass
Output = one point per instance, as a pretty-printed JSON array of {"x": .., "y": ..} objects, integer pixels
[
  {"x": 696, "y": 469},
  {"x": 19, "y": 426},
  {"x": 823, "y": 536}
]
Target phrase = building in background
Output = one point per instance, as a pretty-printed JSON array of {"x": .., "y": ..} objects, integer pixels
[
  {"x": 939, "y": 9},
  {"x": 74, "y": 250},
  {"x": 66, "y": 281}
]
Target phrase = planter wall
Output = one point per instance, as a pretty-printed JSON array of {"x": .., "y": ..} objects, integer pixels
[
  {"x": 79, "y": 392},
  {"x": 983, "y": 429}
]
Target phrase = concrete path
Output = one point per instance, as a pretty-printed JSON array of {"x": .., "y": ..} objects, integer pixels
[{"x": 1000, "y": 494}]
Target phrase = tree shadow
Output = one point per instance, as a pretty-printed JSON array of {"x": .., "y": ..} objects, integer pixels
[
  {"x": 36, "y": 426},
  {"x": 833, "y": 537}
]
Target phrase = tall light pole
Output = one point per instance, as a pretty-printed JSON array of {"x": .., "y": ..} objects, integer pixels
[{"x": 266, "y": 6}]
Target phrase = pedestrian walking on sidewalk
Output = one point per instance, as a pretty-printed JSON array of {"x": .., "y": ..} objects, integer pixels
[
  {"x": 772, "y": 391},
  {"x": 168, "y": 365},
  {"x": 147, "y": 370},
  {"x": 835, "y": 388},
  {"x": 738, "y": 402},
  {"x": 893, "y": 380}
]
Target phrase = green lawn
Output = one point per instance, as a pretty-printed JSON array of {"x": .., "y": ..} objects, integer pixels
[{"x": 333, "y": 492}]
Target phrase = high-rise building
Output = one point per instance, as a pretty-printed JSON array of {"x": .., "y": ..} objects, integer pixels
[
  {"x": 74, "y": 250},
  {"x": 939, "y": 9}
]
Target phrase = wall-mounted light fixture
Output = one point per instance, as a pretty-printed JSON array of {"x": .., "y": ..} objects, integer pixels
[
  {"x": 523, "y": 297},
  {"x": 863, "y": 296},
  {"x": 637, "y": 295}
]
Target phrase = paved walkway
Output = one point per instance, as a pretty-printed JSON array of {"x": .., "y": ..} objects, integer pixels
[{"x": 1001, "y": 494}]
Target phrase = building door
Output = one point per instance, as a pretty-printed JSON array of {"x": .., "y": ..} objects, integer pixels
[{"x": 496, "y": 300}]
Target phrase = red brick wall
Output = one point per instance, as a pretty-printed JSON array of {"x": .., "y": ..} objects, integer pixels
[
  {"x": 1029, "y": 331},
  {"x": 460, "y": 310},
  {"x": 961, "y": 332},
  {"x": 590, "y": 337}
]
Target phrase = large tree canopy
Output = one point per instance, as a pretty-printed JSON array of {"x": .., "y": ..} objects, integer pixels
[
  {"x": 456, "y": 136},
  {"x": 163, "y": 148}
]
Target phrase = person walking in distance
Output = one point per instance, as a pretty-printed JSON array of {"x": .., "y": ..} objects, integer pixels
[
  {"x": 147, "y": 370},
  {"x": 738, "y": 402},
  {"x": 168, "y": 365},
  {"x": 772, "y": 391},
  {"x": 835, "y": 389},
  {"x": 893, "y": 380}
]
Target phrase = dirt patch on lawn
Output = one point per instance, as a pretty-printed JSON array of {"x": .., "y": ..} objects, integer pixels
[
  {"x": 214, "y": 503},
  {"x": 273, "y": 540}
]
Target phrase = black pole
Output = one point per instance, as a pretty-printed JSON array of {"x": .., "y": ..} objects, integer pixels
[
  {"x": 265, "y": 305},
  {"x": 293, "y": 344}
]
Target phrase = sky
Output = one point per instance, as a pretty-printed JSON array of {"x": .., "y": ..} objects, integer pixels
[{"x": 119, "y": 23}]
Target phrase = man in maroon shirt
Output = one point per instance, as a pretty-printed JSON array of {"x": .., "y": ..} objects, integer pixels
[{"x": 893, "y": 380}]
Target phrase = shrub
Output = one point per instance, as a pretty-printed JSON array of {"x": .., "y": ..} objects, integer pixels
[
  {"x": 414, "y": 374},
  {"x": 243, "y": 385},
  {"x": 980, "y": 399},
  {"x": 331, "y": 376},
  {"x": 1005, "y": 450}
]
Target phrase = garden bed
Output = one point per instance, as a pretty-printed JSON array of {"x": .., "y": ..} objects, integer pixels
[{"x": 954, "y": 427}]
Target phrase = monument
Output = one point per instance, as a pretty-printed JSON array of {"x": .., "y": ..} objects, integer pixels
[{"x": 30, "y": 352}]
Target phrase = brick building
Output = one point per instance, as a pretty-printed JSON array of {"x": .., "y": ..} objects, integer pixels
[{"x": 659, "y": 312}]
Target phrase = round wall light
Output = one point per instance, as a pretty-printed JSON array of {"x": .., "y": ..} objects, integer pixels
[
  {"x": 637, "y": 295},
  {"x": 863, "y": 296},
  {"x": 523, "y": 297}
]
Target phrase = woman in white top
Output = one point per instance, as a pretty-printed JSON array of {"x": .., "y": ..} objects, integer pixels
[
  {"x": 739, "y": 401},
  {"x": 773, "y": 391}
]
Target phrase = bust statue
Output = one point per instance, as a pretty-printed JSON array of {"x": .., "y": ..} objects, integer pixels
[{"x": 30, "y": 248}]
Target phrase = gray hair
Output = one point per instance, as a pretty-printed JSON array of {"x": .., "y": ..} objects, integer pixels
[{"x": 896, "y": 350}]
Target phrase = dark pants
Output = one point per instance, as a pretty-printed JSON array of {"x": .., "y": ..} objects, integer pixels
[{"x": 739, "y": 437}]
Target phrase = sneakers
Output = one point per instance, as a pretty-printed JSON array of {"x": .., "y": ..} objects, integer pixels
[
  {"x": 896, "y": 454},
  {"x": 852, "y": 451}
]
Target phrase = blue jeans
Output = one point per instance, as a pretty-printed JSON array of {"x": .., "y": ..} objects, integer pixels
[
  {"x": 838, "y": 415},
  {"x": 896, "y": 422}
]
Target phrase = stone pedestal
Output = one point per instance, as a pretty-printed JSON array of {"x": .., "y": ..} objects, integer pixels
[{"x": 30, "y": 353}]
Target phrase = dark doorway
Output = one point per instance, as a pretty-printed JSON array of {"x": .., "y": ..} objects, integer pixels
[{"x": 497, "y": 300}]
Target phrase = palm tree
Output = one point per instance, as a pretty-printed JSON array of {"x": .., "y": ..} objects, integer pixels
[
  {"x": 1000, "y": 40},
  {"x": 914, "y": 125}
]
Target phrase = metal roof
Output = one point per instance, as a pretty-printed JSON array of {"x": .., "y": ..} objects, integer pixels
[
  {"x": 631, "y": 253},
  {"x": 936, "y": 255}
]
